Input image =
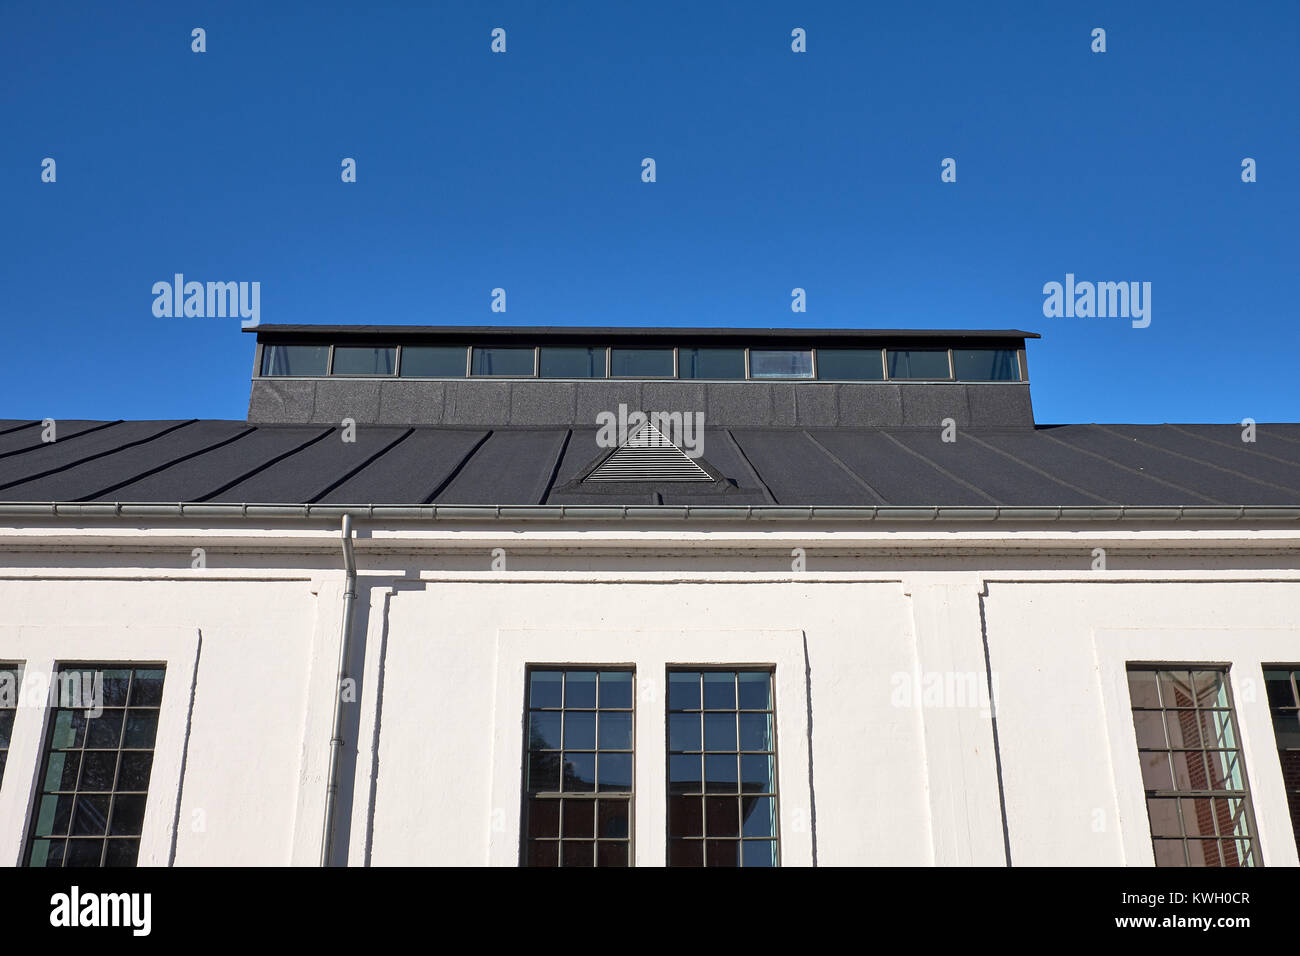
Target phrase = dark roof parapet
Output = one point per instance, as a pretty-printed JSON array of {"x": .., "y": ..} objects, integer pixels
[{"x": 568, "y": 333}]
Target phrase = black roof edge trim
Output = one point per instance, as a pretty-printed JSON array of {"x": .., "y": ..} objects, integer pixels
[{"x": 401, "y": 333}]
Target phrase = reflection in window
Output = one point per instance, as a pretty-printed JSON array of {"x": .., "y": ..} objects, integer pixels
[
  {"x": 283, "y": 360},
  {"x": 641, "y": 363},
  {"x": 1198, "y": 800},
  {"x": 1281, "y": 681},
  {"x": 711, "y": 363},
  {"x": 850, "y": 365},
  {"x": 780, "y": 363},
  {"x": 359, "y": 360},
  {"x": 578, "y": 768},
  {"x": 721, "y": 769},
  {"x": 986, "y": 365},
  {"x": 95, "y": 777},
  {"x": 918, "y": 363},
  {"x": 502, "y": 361},
  {"x": 572, "y": 363},
  {"x": 433, "y": 361}
]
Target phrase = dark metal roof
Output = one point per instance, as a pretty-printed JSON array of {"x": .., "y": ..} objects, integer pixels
[
  {"x": 405, "y": 333},
  {"x": 1044, "y": 466}
]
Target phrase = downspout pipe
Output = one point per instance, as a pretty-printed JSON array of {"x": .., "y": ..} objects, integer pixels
[{"x": 345, "y": 650}]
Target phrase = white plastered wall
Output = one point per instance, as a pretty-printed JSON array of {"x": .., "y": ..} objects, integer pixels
[
  {"x": 449, "y": 757},
  {"x": 1068, "y": 745},
  {"x": 437, "y": 778},
  {"x": 238, "y": 655}
]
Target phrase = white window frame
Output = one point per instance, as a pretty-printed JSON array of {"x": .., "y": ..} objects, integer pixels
[
  {"x": 652, "y": 653},
  {"x": 40, "y": 651},
  {"x": 1245, "y": 651}
]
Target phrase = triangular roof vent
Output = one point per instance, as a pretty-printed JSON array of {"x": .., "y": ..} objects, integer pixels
[{"x": 648, "y": 456}]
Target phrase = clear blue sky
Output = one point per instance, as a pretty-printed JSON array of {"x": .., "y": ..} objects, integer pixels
[{"x": 775, "y": 170}]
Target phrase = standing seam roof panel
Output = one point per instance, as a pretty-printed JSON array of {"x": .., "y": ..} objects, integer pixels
[
  {"x": 27, "y": 438},
  {"x": 1005, "y": 480},
  {"x": 511, "y": 467},
  {"x": 1243, "y": 478},
  {"x": 197, "y": 478},
  {"x": 1222, "y": 444},
  {"x": 1057, "y": 456},
  {"x": 901, "y": 478},
  {"x": 45, "y": 459},
  {"x": 308, "y": 472},
  {"x": 411, "y": 471},
  {"x": 91, "y": 479},
  {"x": 795, "y": 468}
]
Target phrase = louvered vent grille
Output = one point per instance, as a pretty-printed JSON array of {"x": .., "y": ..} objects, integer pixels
[{"x": 648, "y": 456}]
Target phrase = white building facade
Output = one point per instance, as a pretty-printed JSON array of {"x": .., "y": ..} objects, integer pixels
[{"x": 862, "y": 684}]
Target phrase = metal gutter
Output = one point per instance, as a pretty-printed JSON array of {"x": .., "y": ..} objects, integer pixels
[
  {"x": 345, "y": 646},
  {"x": 519, "y": 513}
]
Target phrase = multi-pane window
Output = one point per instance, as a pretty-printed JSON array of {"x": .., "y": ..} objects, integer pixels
[
  {"x": 596, "y": 359},
  {"x": 918, "y": 363},
  {"x": 361, "y": 360},
  {"x": 711, "y": 363},
  {"x": 721, "y": 769},
  {"x": 95, "y": 777},
  {"x": 433, "y": 361},
  {"x": 502, "y": 361},
  {"x": 850, "y": 365},
  {"x": 288, "y": 360},
  {"x": 780, "y": 363},
  {"x": 1283, "y": 685},
  {"x": 1193, "y": 772},
  {"x": 575, "y": 362},
  {"x": 578, "y": 767},
  {"x": 641, "y": 363},
  {"x": 985, "y": 365},
  {"x": 9, "y": 689}
]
